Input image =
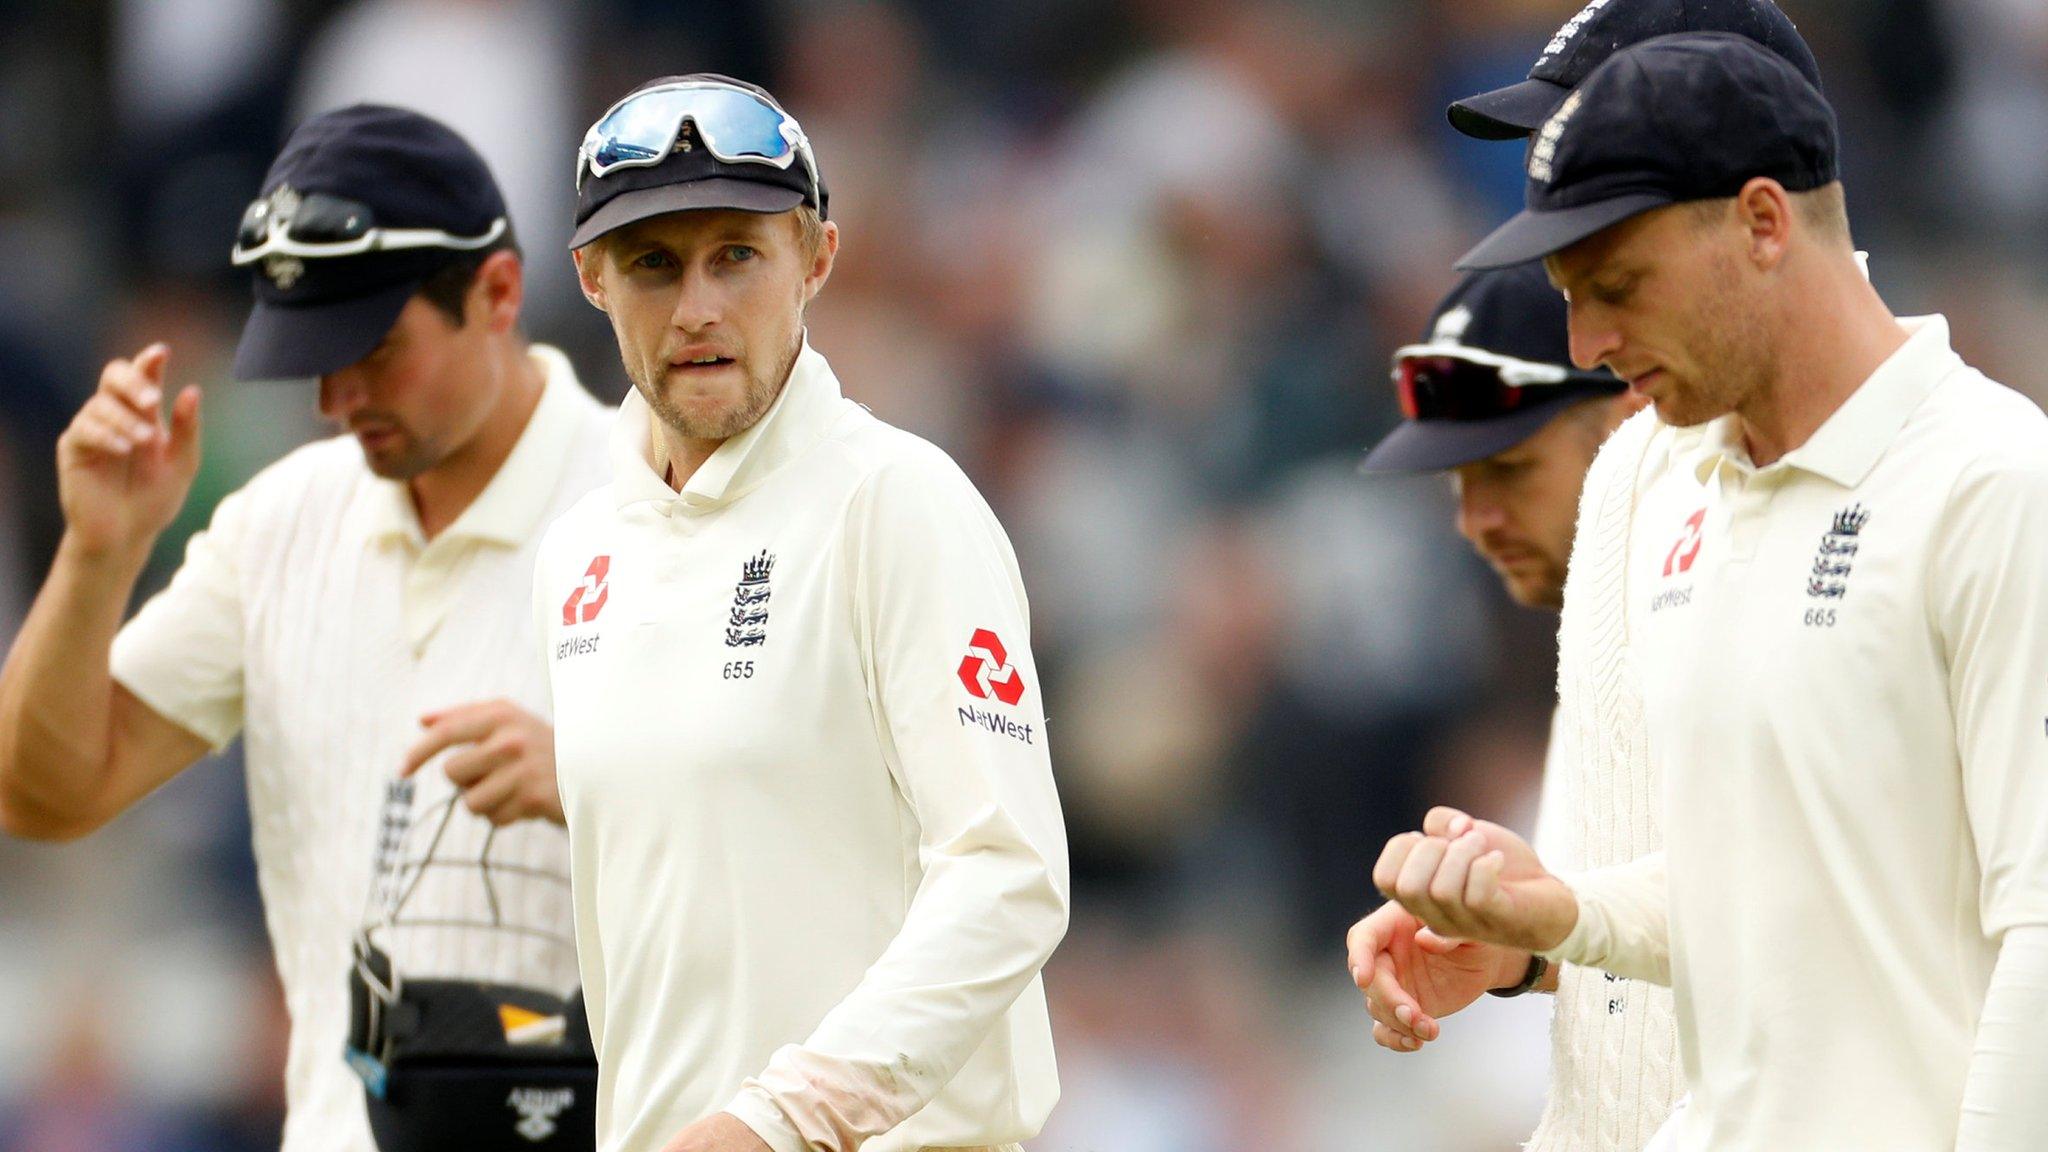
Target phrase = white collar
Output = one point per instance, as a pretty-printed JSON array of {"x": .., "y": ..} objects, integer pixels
[{"x": 808, "y": 405}]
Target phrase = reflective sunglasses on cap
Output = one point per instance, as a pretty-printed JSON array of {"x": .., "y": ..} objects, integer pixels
[
  {"x": 1454, "y": 382},
  {"x": 319, "y": 225},
  {"x": 736, "y": 125}
]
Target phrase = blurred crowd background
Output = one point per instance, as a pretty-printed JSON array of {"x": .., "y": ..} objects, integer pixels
[{"x": 1139, "y": 265}]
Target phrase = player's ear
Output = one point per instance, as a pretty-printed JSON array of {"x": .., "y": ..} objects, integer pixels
[
  {"x": 498, "y": 290},
  {"x": 589, "y": 263},
  {"x": 1764, "y": 209},
  {"x": 821, "y": 259}
]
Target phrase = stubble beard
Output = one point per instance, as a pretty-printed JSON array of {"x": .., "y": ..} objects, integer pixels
[
  {"x": 409, "y": 458},
  {"x": 1542, "y": 591},
  {"x": 1733, "y": 351},
  {"x": 755, "y": 400}
]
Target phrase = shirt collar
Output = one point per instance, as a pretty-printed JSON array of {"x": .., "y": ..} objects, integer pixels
[
  {"x": 1847, "y": 446},
  {"x": 810, "y": 401},
  {"x": 510, "y": 507}
]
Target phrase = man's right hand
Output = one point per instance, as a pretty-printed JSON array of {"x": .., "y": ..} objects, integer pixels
[
  {"x": 1411, "y": 976},
  {"x": 122, "y": 472},
  {"x": 1476, "y": 881}
]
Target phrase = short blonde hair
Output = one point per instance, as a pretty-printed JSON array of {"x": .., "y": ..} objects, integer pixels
[
  {"x": 1824, "y": 209},
  {"x": 810, "y": 230}
]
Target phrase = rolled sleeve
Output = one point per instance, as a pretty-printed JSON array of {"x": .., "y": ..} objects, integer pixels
[
  {"x": 1990, "y": 590},
  {"x": 958, "y": 701},
  {"x": 182, "y": 654}
]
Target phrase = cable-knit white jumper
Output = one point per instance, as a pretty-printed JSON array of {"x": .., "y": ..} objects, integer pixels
[{"x": 1615, "y": 1069}]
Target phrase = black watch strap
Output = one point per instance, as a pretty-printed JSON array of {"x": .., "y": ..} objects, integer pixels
[{"x": 1537, "y": 967}]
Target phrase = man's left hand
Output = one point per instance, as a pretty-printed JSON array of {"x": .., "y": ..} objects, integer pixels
[
  {"x": 718, "y": 1132},
  {"x": 507, "y": 772}
]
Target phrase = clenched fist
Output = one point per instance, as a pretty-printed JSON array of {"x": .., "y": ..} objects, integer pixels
[{"x": 1474, "y": 880}]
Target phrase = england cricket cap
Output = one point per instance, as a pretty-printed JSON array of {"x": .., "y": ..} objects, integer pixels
[
  {"x": 1671, "y": 120},
  {"x": 1605, "y": 27},
  {"x": 689, "y": 176},
  {"x": 1494, "y": 368},
  {"x": 318, "y": 314}
]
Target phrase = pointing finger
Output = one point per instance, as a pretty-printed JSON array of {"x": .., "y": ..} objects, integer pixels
[{"x": 137, "y": 383}]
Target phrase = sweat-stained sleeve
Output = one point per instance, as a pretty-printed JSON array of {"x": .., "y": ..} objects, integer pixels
[
  {"x": 959, "y": 706},
  {"x": 1989, "y": 600},
  {"x": 182, "y": 653}
]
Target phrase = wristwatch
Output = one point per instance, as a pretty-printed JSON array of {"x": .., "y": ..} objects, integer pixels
[{"x": 1537, "y": 967}]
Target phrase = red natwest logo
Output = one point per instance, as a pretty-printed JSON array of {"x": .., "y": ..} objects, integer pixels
[
  {"x": 590, "y": 595},
  {"x": 986, "y": 671},
  {"x": 1687, "y": 549}
]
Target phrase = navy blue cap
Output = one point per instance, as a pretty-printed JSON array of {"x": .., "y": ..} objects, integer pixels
[
  {"x": 1506, "y": 314},
  {"x": 316, "y": 315},
  {"x": 1605, "y": 27},
  {"x": 690, "y": 178},
  {"x": 1671, "y": 120}
]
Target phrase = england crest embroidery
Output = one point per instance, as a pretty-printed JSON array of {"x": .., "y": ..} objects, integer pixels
[
  {"x": 1836, "y": 557},
  {"x": 747, "y": 625}
]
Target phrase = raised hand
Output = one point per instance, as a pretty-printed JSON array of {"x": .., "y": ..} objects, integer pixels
[
  {"x": 1411, "y": 976},
  {"x": 122, "y": 471},
  {"x": 1476, "y": 880}
]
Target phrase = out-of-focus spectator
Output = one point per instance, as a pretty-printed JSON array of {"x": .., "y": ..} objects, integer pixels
[{"x": 500, "y": 72}]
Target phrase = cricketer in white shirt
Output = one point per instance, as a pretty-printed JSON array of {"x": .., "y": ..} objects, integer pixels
[
  {"x": 1845, "y": 662},
  {"x": 313, "y": 617},
  {"x": 818, "y": 857}
]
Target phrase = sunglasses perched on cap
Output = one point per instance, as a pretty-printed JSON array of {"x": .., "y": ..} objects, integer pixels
[
  {"x": 735, "y": 125},
  {"x": 319, "y": 224},
  {"x": 1454, "y": 382}
]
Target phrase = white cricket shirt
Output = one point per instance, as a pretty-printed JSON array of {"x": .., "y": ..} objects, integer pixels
[
  {"x": 312, "y": 616},
  {"x": 1845, "y": 660},
  {"x": 818, "y": 856}
]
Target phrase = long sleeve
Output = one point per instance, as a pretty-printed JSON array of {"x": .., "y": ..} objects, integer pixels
[
  {"x": 2004, "y": 1109},
  {"x": 1989, "y": 590},
  {"x": 1990, "y": 593},
  {"x": 1624, "y": 921},
  {"x": 958, "y": 704}
]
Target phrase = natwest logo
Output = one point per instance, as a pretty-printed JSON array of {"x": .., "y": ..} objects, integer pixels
[
  {"x": 1687, "y": 549},
  {"x": 587, "y": 599},
  {"x": 986, "y": 671}
]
